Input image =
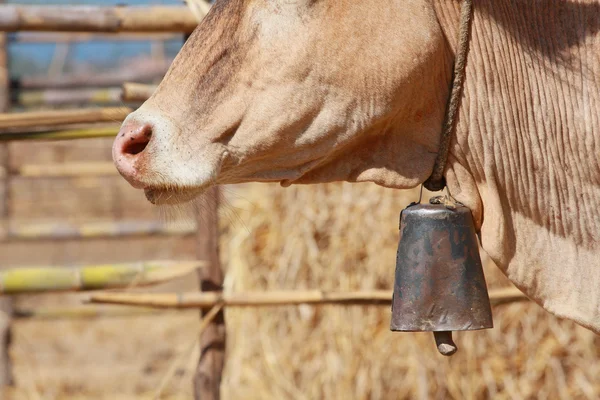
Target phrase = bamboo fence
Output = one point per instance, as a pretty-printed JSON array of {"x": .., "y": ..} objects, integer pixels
[
  {"x": 96, "y": 19},
  {"x": 53, "y": 279},
  {"x": 18, "y": 127},
  {"x": 271, "y": 299}
]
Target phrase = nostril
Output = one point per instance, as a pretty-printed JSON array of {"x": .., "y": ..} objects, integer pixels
[
  {"x": 137, "y": 140},
  {"x": 134, "y": 148}
]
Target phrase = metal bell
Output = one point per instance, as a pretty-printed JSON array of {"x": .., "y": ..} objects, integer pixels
[{"x": 439, "y": 284}]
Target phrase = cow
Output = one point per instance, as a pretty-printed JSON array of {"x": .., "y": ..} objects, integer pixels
[{"x": 311, "y": 91}]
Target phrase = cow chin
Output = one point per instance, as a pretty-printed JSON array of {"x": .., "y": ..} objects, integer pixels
[{"x": 171, "y": 197}]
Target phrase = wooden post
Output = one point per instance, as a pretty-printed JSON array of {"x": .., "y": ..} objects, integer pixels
[
  {"x": 5, "y": 302},
  {"x": 207, "y": 381}
]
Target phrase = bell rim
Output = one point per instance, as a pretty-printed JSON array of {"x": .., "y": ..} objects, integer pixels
[{"x": 442, "y": 329}]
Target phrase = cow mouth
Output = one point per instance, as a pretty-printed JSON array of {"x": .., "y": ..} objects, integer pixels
[{"x": 170, "y": 196}]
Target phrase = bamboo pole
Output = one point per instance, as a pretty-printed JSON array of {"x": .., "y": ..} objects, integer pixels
[
  {"x": 53, "y": 279},
  {"x": 199, "y": 8},
  {"x": 137, "y": 92},
  {"x": 66, "y": 170},
  {"x": 209, "y": 373},
  {"x": 11, "y": 122},
  {"x": 76, "y": 37},
  {"x": 85, "y": 312},
  {"x": 272, "y": 298},
  {"x": 62, "y": 97},
  {"x": 96, "y": 19},
  {"x": 137, "y": 70},
  {"x": 67, "y": 134},
  {"x": 94, "y": 230},
  {"x": 66, "y": 127}
]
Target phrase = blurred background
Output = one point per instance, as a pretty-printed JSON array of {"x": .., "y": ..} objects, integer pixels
[{"x": 331, "y": 237}]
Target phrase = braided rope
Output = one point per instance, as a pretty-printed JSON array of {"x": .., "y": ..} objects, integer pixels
[{"x": 436, "y": 181}]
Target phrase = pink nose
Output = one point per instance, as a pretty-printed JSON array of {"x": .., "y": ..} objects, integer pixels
[{"x": 128, "y": 148}]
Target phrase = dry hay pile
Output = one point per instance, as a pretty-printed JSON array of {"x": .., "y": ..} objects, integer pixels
[{"x": 344, "y": 237}]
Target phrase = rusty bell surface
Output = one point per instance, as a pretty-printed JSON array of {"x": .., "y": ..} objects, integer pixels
[{"x": 439, "y": 284}]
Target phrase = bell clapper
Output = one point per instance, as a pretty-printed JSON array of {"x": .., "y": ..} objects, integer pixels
[{"x": 444, "y": 343}]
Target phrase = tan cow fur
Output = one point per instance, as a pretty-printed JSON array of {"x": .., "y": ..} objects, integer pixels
[
  {"x": 526, "y": 158},
  {"x": 311, "y": 91}
]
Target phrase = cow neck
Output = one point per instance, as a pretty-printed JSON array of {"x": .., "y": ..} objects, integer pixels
[{"x": 437, "y": 181}]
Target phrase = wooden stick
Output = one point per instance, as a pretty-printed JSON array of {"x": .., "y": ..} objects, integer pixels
[
  {"x": 67, "y": 134},
  {"x": 271, "y": 298},
  {"x": 13, "y": 121},
  {"x": 96, "y": 19},
  {"x": 68, "y": 37},
  {"x": 55, "y": 279},
  {"x": 137, "y": 92}
]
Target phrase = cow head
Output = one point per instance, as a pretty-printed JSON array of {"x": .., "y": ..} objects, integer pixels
[{"x": 293, "y": 91}]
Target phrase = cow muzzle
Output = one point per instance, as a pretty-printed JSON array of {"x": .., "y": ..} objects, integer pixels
[{"x": 129, "y": 150}]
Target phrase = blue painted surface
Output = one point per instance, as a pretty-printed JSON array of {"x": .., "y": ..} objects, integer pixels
[{"x": 35, "y": 58}]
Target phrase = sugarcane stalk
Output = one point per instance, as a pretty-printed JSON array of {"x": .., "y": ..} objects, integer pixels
[
  {"x": 269, "y": 299},
  {"x": 55, "y": 279}
]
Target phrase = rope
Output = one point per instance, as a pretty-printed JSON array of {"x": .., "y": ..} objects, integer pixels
[{"x": 436, "y": 181}]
